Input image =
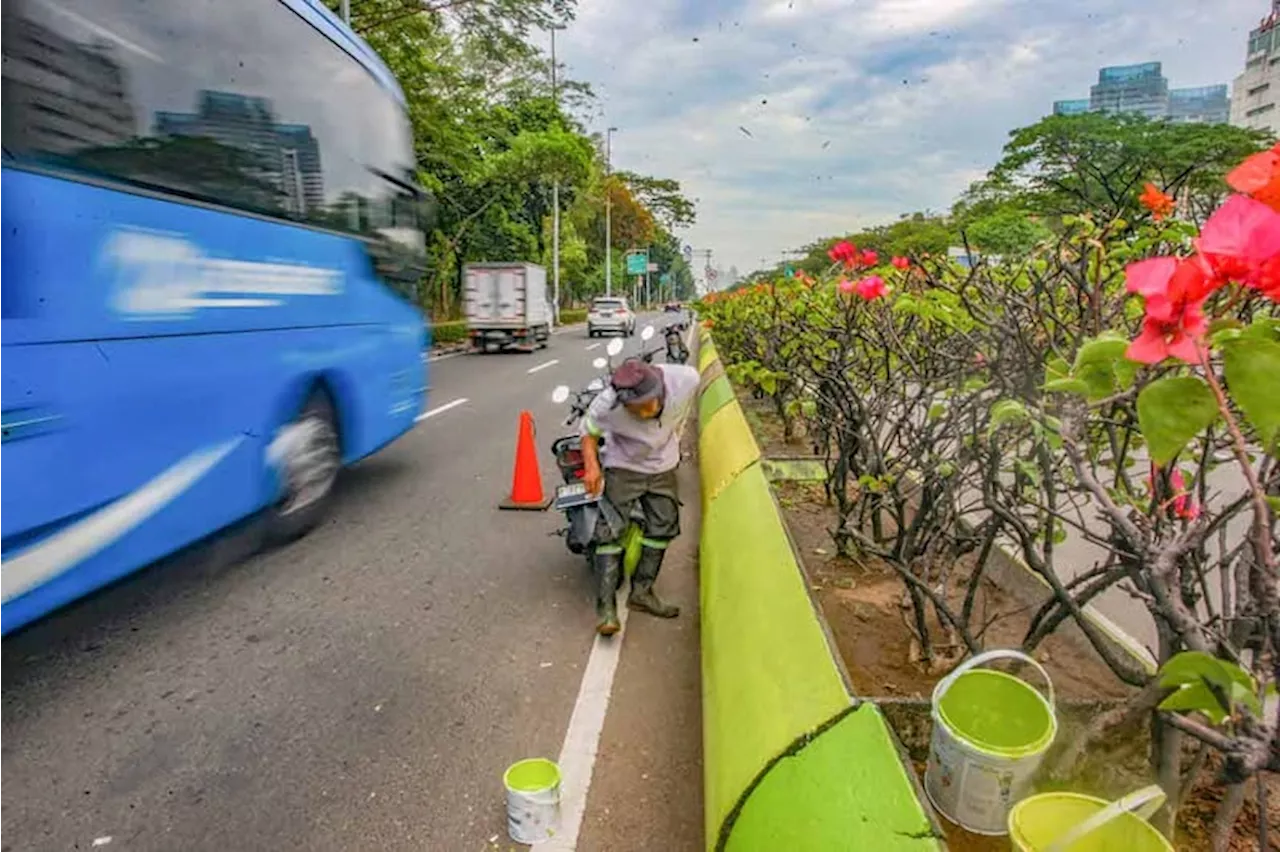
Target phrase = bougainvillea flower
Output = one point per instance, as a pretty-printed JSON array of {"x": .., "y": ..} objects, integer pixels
[
  {"x": 1240, "y": 239},
  {"x": 844, "y": 252},
  {"x": 870, "y": 258},
  {"x": 846, "y": 286},
  {"x": 803, "y": 278},
  {"x": 871, "y": 287},
  {"x": 1259, "y": 176},
  {"x": 900, "y": 263},
  {"x": 1159, "y": 203},
  {"x": 1183, "y": 505},
  {"x": 1174, "y": 292}
]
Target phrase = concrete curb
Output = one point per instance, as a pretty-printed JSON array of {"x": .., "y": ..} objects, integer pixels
[{"x": 792, "y": 761}]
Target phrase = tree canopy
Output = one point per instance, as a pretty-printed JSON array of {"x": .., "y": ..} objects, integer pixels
[{"x": 492, "y": 140}]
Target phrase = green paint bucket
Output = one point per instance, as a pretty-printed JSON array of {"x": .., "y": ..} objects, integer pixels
[
  {"x": 533, "y": 800},
  {"x": 990, "y": 732},
  {"x": 1070, "y": 822}
]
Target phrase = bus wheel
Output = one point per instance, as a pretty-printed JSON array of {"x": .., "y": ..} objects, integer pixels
[{"x": 308, "y": 455}]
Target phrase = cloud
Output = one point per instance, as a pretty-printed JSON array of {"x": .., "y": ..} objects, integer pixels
[{"x": 858, "y": 112}]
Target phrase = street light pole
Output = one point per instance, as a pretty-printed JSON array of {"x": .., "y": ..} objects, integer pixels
[
  {"x": 346, "y": 12},
  {"x": 555, "y": 195},
  {"x": 608, "y": 214}
]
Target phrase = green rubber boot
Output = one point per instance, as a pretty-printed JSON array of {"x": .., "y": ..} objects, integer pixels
[
  {"x": 642, "y": 596},
  {"x": 608, "y": 567}
]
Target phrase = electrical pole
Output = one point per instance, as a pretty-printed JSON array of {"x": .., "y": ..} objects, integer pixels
[
  {"x": 555, "y": 196},
  {"x": 346, "y": 12},
  {"x": 608, "y": 214}
]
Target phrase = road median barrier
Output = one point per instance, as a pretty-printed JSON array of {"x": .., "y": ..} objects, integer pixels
[{"x": 792, "y": 761}]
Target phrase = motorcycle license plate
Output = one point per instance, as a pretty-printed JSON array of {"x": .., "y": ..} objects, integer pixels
[{"x": 573, "y": 494}]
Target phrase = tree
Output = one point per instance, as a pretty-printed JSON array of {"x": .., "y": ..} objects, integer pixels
[
  {"x": 1098, "y": 162},
  {"x": 1008, "y": 231},
  {"x": 662, "y": 197}
]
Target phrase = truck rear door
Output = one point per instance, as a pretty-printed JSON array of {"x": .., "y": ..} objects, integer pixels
[{"x": 509, "y": 295}]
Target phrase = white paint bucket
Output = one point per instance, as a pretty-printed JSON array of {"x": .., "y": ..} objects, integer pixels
[
  {"x": 533, "y": 800},
  {"x": 990, "y": 732}
]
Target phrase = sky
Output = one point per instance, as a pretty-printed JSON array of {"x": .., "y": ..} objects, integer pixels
[{"x": 790, "y": 120}]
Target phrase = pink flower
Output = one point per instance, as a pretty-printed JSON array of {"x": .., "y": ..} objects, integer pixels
[
  {"x": 1174, "y": 291},
  {"x": 846, "y": 286},
  {"x": 1239, "y": 240},
  {"x": 843, "y": 252},
  {"x": 901, "y": 263},
  {"x": 871, "y": 287},
  {"x": 1183, "y": 506},
  {"x": 869, "y": 258}
]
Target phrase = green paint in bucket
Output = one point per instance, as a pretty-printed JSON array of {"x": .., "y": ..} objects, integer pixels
[
  {"x": 990, "y": 732},
  {"x": 1070, "y": 822},
  {"x": 533, "y": 800}
]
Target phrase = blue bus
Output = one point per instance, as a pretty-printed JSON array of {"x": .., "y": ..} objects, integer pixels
[{"x": 210, "y": 219}]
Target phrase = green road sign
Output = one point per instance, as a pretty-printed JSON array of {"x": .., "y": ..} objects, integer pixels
[
  {"x": 665, "y": 279},
  {"x": 637, "y": 262},
  {"x": 790, "y": 271}
]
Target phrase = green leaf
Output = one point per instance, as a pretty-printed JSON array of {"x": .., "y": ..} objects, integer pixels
[
  {"x": 1197, "y": 697},
  {"x": 1096, "y": 362},
  {"x": 937, "y": 410},
  {"x": 1056, "y": 368},
  {"x": 1005, "y": 412},
  {"x": 1079, "y": 386},
  {"x": 1193, "y": 667},
  {"x": 769, "y": 383},
  {"x": 1251, "y": 366},
  {"x": 1172, "y": 411}
]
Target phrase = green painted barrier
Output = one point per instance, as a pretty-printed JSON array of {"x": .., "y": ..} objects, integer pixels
[
  {"x": 706, "y": 355},
  {"x": 716, "y": 393},
  {"x": 791, "y": 760}
]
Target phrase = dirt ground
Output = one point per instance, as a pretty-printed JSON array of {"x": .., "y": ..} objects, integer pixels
[{"x": 868, "y": 614}]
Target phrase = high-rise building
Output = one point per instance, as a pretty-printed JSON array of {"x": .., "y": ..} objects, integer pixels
[
  {"x": 1255, "y": 93},
  {"x": 63, "y": 96},
  {"x": 1140, "y": 89},
  {"x": 1206, "y": 104},
  {"x": 285, "y": 157},
  {"x": 1077, "y": 106}
]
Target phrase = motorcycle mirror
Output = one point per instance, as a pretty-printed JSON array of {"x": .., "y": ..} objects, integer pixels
[
  {"x": 615, "y": 347},
  {"x": 647, "y": 334},
  {"x": 560, "y": 394},
  {"x": 600, "y": 363},
  {"x": 595, "y": 385}
]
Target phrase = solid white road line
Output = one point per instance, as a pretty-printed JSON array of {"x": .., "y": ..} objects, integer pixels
[
  {"x": 440, "y": 409},
  {"x": 550, "y": 363},
  {"x": 591, "y": 346},
  {"x": 582, "y": 740}
]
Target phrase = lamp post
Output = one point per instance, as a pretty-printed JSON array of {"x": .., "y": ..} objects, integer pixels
[
  {"x": 555, "y": 195},
  {"x": 608, "y": 214}
]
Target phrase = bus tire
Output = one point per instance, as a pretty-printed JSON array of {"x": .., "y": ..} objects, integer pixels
[{"x": 310, "y": 459}]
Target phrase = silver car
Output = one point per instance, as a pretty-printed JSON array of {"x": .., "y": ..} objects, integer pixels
[{"x": 610, "y": 314}]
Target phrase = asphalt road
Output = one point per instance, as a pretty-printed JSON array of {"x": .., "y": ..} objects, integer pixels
[{"x": 365, "y": 687}]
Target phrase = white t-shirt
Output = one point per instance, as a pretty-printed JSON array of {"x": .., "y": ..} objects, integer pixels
[{"x": 645, "y": 446}]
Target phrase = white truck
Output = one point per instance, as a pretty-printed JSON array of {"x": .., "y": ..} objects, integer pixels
[{"x": 506, "y": 307}]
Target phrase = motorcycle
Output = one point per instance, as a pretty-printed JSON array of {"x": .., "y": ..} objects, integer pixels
[
  {"x": 583, "y": 510},
  {"x": 677, "y": 352}
]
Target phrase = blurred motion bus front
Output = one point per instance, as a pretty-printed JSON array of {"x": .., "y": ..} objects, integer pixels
[{"x": 207, "y": 207}]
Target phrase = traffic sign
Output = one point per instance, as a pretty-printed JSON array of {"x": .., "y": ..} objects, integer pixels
[
  {"x": 637, "y": 262},
  {"x": 688, "y": 253},
  {"x": 665, "y": 278},
  {"x": 653, "y": 267},
  {"x": 790, "y": 271},
  {"x": 711, "y": 273}
]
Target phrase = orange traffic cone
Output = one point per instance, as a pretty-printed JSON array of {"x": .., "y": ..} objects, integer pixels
[{"x": 526, "y": 483}]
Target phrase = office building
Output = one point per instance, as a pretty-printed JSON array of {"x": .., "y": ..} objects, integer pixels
[
  {"x": 1072, "y": 107},
  {"x": 1255, "y": 93},
  {"x": 63, "y": 96},
  {"x": 283, "y": 157},
  {"x": 1142, "y": 89}
]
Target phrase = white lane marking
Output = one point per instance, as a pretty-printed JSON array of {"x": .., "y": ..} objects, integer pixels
[
  {"x": 591, "y": 346},
  {"x": 550, "y": 363},
  {"x": 441, "y": 409},
  {"x": 582, "y": 740},
  {"x": 87, "y": 536},
  {"x": 446, "y": 356}
]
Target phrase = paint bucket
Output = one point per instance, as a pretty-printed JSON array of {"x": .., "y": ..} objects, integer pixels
[
  {"x": 990, "y": 732},
  {"x": 533, "y": 800},
  {"x": 1070, "y": 822}
]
